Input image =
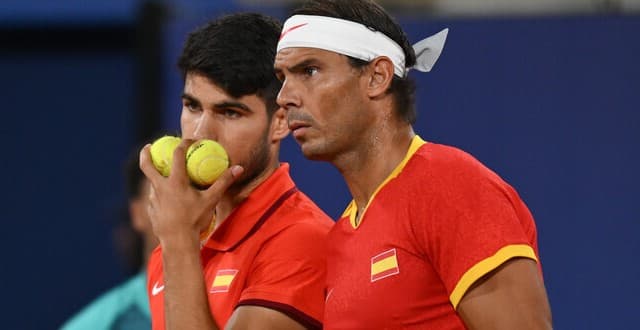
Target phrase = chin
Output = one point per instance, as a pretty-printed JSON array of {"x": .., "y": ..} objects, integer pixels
[{"x": 314, "y": 154}]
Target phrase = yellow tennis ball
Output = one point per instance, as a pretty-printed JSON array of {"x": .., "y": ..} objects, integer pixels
[
  {"x": 162, "y": 153},
  {"x": 206, "y": 161}
]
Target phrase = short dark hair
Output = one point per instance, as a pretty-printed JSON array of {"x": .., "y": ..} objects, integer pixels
[
  {"x": 236, "y": 52},
  {"x": 373, "y": 16}
]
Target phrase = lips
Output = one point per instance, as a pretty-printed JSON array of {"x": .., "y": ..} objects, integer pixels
[
  {"x": 298, "y": 128},
  {"x": 294, "y": 125}
]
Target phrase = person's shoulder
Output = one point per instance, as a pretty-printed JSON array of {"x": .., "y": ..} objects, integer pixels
[
  {"x": 299, "y": 210},
  {"x": 446, "y": 168},
  {"x": 134, "y": 282},
  {"x": 299, "y": 223},
  {"x": 438, "y": 159},
  {"x": 105, "y": 308},
  {"x": 300, "y": 241},
  {"x": 437, "y": 166},
  {"x": 441, "y": 154}
]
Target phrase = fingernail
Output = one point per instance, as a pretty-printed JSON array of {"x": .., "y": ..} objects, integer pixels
[{"x": 236, "y": 170}]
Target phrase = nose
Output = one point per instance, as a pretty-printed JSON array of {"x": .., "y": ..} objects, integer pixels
[
  {"x": 287, "y": 97},
  {"x": 205, "y": 127}
]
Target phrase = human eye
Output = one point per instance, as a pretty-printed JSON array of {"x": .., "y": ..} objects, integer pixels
[
  {"x": 190, "y": 105},
  {"x": 310, "y": 71},
  {"x": 231, "y": 113}
]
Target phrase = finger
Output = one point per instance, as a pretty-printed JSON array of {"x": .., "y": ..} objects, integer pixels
[
  {"x": 228, "y": 177},
  {"x": 152, "y": 195},
  {"x": 151, "y": 200},
  {"x": 146, "y": 165},
  {"x": 179, "y": 166}
]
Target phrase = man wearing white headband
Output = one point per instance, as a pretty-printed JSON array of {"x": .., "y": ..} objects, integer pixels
[{"x": 432, "y": 239}]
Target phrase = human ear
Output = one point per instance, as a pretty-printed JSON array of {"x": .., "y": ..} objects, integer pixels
[
  {"x": 380, "y": 76},
  {"x": 279, "y": 125}
]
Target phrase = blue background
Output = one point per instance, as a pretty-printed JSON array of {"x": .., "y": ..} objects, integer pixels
[{"x": 551, "y": 104}]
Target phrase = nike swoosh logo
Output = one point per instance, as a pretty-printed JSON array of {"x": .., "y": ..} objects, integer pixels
[
  {"x": 156, "y": 289},
  {"x": 291, "y": 29}
]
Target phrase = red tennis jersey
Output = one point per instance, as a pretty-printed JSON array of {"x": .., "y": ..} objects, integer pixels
[
  {"x": 269, "y": 252},
  {"x": 439, "y": 222}
]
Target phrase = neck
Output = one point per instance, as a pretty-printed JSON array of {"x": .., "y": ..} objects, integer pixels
[{"x": 367, "y": 166}]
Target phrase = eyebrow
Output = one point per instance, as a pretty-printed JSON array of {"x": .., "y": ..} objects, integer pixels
[
  {"x": 298, "y": 67},
  {"x": 220, "y": 105},
  {"x": 188, "y": 97}
]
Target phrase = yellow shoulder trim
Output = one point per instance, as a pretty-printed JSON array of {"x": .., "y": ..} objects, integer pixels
[
  {"x": 352, "y": 210},
  {"x": 487, "y": 265}
]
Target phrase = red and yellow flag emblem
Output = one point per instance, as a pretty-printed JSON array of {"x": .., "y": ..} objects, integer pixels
[
  {"x": 384, "y": 265},
  {"x": 223, "y": 279}
]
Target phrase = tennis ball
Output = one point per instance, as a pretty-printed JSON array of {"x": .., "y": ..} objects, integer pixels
[
  {"x": 162, "y": 153},
  {"x": 206, "y": 160}
]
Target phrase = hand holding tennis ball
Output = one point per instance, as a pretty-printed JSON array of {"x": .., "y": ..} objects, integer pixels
[
  {"x": 162, "y": 153},
  {"x": 206, "y": 161}
]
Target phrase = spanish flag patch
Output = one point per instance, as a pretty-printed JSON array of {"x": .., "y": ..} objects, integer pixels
[
  {"x": 384, "y": 265},
  {"x": 223, "y": 279}
]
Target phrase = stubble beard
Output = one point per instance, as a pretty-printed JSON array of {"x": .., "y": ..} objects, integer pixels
[{"x": 256, "y": 165}]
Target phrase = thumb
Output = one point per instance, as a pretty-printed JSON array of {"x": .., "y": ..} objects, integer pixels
[{"x": 228, "y": 177}]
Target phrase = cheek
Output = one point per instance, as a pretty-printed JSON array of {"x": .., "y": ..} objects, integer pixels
[
  {"x": 322, "y": 102},
  {"x": 240, "y": 139},
  {"x": 334, "y": 96},
  {"x": 334, "y": 107}
]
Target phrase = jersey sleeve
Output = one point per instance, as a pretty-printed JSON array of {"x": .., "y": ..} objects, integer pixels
[
  {"x": 289, "y": 274},
  {"x": 473, "y": 223}
]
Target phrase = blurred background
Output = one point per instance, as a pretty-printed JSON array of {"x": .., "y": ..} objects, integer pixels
[{"x": 546, "y": 93}]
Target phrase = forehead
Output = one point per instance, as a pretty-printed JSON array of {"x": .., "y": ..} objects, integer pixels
[
  {"x": 291, "y": 56},
  {"x": 196, "y": 82}
]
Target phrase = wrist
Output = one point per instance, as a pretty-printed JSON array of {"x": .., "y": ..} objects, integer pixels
[{"x": 180, "y": 242}]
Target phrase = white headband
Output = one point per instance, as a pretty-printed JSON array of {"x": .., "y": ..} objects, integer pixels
[{"x": 356, "y": 40}]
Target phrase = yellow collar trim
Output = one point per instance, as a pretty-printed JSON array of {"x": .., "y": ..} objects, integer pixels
[{"x": 352, "y": 210}]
